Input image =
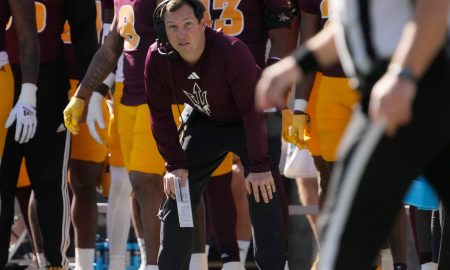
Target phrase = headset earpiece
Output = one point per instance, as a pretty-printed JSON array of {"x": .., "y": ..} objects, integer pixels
[{"x": 158, "y": 22}]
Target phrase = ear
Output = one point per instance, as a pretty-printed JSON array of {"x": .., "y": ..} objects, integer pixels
[{"x": 203, "y": 23}]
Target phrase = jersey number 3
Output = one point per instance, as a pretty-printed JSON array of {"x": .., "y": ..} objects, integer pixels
[{"x": 231, "y": 18}]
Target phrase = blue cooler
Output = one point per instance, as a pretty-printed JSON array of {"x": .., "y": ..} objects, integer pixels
[{"x": 422, "y": 195}]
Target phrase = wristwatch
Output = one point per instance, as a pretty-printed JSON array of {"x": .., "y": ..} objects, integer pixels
[{"x": 403, "y": 73}]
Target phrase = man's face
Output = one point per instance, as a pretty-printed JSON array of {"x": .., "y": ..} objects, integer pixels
[{"x": 185, "y": 32}]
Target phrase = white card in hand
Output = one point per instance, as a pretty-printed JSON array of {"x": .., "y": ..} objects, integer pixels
[{"x": 183, "y": 204}]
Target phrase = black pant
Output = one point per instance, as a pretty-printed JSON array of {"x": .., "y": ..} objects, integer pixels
[
  {"x": 371, "y": 178},
  {"x": 444, "y": 249},
  {"x": 273, "y": 126},
  {"x": 206, "y": 145},
  {"x": 45, "y": 156},
  {"x": 436, "y": 235}
]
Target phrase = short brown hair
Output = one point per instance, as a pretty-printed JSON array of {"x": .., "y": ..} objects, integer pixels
[{"x": 174, "y": 5}]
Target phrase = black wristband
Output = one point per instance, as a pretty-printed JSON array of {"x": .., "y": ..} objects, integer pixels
[
  {"x": 277, "y": 17},
  {"x": 272, "y": 60},
  {"x": 306, "y": 60}
]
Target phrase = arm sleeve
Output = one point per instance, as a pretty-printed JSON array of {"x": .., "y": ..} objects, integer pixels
[
  {"x": 159, "y": 98},
  {"x": 243, "y": 76},
  {"x": 81, "y": 15},
  {"x": 277, "y": 14}
]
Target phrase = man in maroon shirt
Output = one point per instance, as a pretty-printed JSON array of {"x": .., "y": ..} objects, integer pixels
[{"x": 216, "y": 75}]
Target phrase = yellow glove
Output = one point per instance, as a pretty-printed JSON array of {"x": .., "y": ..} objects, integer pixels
[
  {"x": 286, "y": 116},
  {"x": 293, "y": 127},
  {"x": 72, "y": 114}
]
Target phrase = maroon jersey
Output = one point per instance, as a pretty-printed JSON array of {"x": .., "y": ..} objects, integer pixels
[
  {"x": 50, "y": 24},
  {"x": 135, "y": 25},
  {"x": 320, "y": 8},
  {"x": 245, "y": 20},
  {"x": 221, "y": 86},
  {"x": 4, "y": 17},
  {"x": 51, "y": 15}
]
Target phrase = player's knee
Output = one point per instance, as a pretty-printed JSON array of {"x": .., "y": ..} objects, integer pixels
[
  {"x": 309, "y": 184},
  {"x": 238, "y": 187},
  {"x": 83, "y": 188}
]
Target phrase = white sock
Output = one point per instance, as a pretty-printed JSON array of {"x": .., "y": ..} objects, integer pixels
[
  {"x": 41, "y": 260},
  {"x": 199, "y": 261},
  {"x": 286, "y": 266},
  {"x": 117, "y": 262},
  {"x": 207, "y": 250},
  {"x": 151, "y": 267},
  {"x": 118, "y": 212},
  {"x": 243, "y": 250},
  {"x": 233, "y": 266},
  {"x": 84, "y": 258},
  {"x": 141, "y": 243},
  {"x": 427, "y": 266}
]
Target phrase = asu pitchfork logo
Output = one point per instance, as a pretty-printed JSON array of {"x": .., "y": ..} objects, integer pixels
[{"x": 199, "y": 99}]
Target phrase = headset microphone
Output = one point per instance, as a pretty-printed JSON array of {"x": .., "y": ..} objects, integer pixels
[
  {"x": 172, "y": 54},
  {"x": 162, "y": 47}
]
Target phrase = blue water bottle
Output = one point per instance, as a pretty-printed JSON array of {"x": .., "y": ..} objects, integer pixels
[
  {"x": 98, "y": 254},
  {"x": 105, "y": 255},
  {"x": 135, "y": 255},
  {"x": 128, "y": 253}
]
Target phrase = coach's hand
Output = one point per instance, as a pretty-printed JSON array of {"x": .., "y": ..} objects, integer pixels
[
  {"x": 95, "y": 116},
  {"x": 263, "y": 182},
  {"x": 169, "y": 181},
  {"x": 24, "y": 113},
  {"x": 72, "y": 114},
  {"x": 391, "y": 102},
  {"x": 275, "y": 82}
]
